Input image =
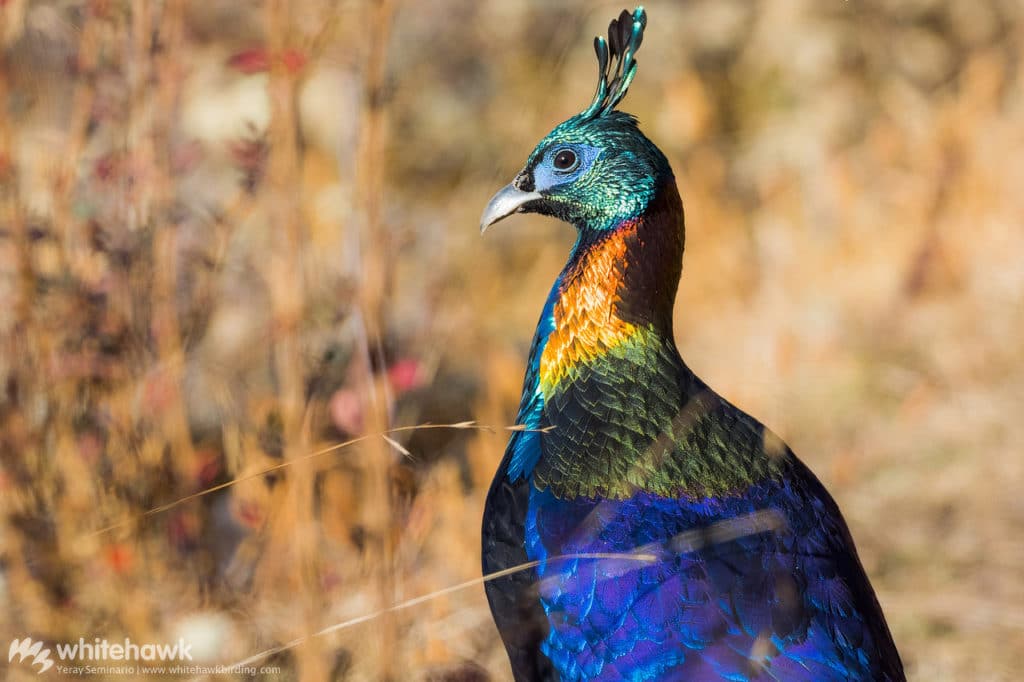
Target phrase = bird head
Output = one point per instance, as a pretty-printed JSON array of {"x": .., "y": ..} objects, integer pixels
[{"x": 595, "y": 170}]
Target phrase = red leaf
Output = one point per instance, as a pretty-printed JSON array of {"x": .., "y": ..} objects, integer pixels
[
  {"x": 119, "y": 557},
  {"x": 257, "y": 60},
  {"x": 405, "y": 375},
  {"x": 253, "y": 60},
  {"x": 293, "y": 60}
]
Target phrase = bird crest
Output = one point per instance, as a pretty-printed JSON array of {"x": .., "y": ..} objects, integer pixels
[{"x": 616, "y": 61}]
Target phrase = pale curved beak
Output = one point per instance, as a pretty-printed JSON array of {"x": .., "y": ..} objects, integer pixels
[{"x": 507, "y": 201}]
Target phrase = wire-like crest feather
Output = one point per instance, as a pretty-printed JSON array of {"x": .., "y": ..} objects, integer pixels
[{"x": 614, "y": 74}]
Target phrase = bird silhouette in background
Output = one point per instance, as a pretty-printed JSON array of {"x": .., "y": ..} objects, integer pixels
[{"x": 641, "y": 526}]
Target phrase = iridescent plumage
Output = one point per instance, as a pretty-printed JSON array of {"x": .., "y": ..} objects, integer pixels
[{"x": 667, "y": 534}]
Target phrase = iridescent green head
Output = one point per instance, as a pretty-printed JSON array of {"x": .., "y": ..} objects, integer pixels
[{"x": 595, "y": 170}]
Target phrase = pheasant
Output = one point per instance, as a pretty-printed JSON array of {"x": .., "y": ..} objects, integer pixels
[{"x": 639, "y": 525}]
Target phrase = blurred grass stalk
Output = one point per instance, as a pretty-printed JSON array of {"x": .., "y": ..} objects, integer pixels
[
  {"x": 288, "y": 564},
  {"x": 375, "y": 271}
]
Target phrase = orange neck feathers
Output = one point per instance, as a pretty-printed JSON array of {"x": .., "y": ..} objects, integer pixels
[{"x": 586, "y": 320}]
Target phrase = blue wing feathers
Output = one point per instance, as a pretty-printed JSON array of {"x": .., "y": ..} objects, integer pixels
[
  {"x": 525, "y": 446},
  {"x": 770, "y": 605}
]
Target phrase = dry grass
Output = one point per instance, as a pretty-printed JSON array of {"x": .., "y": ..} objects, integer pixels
[{"x": 238, "y": 244}]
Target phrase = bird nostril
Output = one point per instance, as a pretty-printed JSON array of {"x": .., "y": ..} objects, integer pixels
[{"x": 524, "y": 182}]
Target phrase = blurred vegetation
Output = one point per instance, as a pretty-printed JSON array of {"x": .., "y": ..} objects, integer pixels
[{"x": 235, "y": 236}]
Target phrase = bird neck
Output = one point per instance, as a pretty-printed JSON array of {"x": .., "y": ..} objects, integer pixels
[{"x": 617, "y": 289}]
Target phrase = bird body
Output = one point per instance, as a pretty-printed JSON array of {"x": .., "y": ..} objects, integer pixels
[{"x": 644, "y": 528}]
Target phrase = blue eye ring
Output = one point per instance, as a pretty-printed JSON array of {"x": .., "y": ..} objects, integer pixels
[{"x": 565, "y": 160}]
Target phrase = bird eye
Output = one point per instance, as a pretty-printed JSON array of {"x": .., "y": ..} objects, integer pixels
[{"x": 565, "y": 160}]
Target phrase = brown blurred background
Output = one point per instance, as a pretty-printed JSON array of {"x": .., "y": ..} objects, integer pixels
[{"x": 236, "y": 234}]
